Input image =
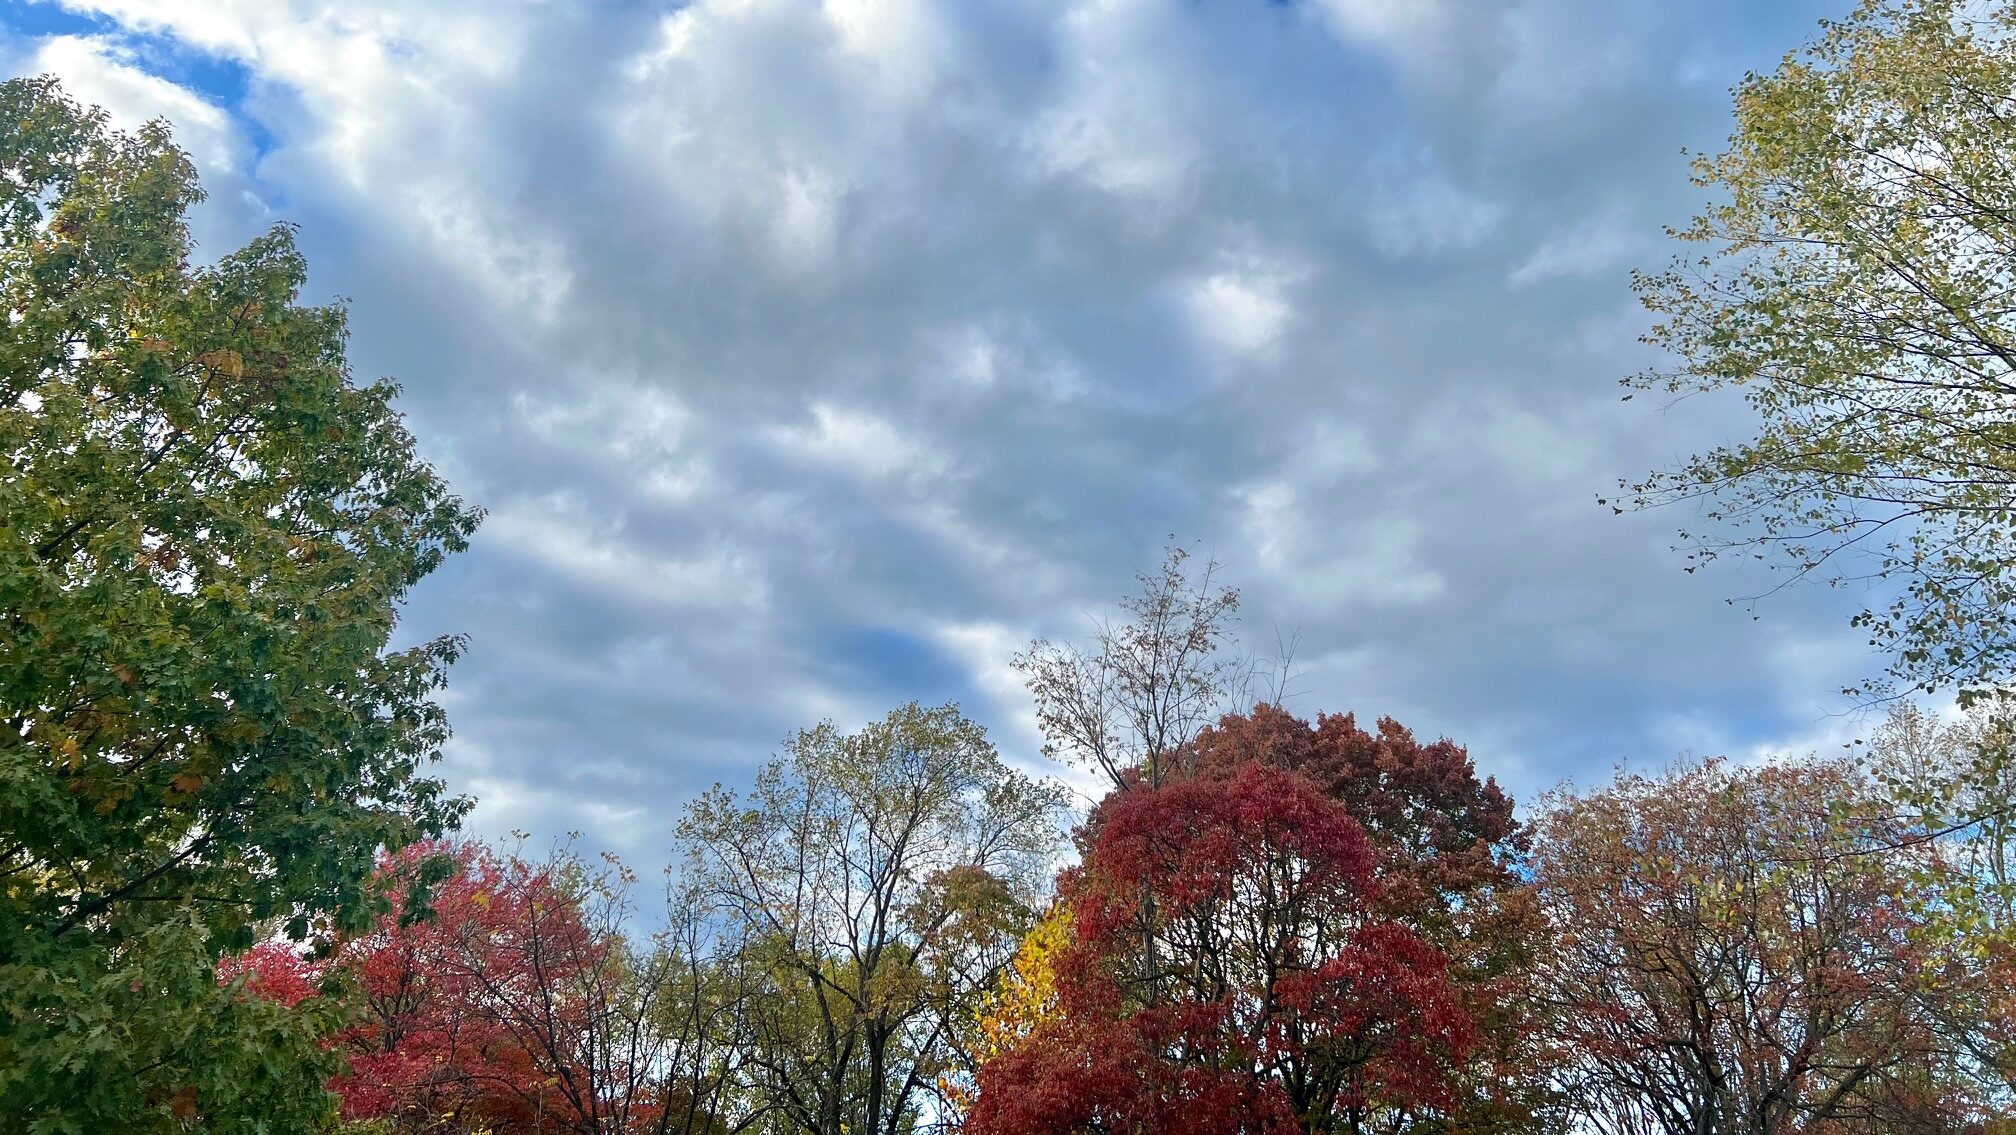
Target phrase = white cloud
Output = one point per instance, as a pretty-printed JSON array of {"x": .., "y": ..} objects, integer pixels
[
  {"x": 560, "y": 532},
  {"x": 1238, "y": 314},
  {"x": 103, "y": 72},
  {"x": 383, "y": 99},
  {"x": 635, "y": 432},
  {"x": 1124, "y": 120},
  {"x": 1388, "y": 23},
  {"x": 1370, "y": 560},
  {"x": 862, "y": 445},
  {"x": 1413, "y": 209},
  {"x": 1375, "y": 562}
]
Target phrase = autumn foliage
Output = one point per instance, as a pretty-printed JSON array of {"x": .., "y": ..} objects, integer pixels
[
  {"x": 1274, "y": 999},
  {"x": 458, "y": 1029},
  {"x": 1741, "y": 950},
  {"x": 1449, "y": 855}
]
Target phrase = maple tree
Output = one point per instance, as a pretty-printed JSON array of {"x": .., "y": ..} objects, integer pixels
[
  {"x": 1449, "y": 853},
  {"x": 512, "y": 1005},
  {"x": 206, "y": 532},
  {"x": 1282, "y": 1002},
  {"x": 460, "y": 1028}
]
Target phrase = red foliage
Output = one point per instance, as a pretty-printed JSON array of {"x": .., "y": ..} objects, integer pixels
[
  {"x": 1274, "y": 1000},
  {"x": 1439, "y": 830},
  {"x": 461, "y": 1029},
  {"x": 274, "y": 972},
  {"x": 461, "y": 1021},
  {"x": 1449, "y": 866}
]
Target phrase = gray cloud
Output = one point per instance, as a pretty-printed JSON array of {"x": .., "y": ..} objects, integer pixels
[{"x": 812, "y": 357}]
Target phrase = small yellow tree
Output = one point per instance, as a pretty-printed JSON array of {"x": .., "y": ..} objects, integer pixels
[{"x": 1025, "y": 997}]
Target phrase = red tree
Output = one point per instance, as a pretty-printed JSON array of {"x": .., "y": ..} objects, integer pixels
[
  {"x": 1441, "y": 835},
  {"x": 461, "y": 1028},
  {"x": 1277, "y": 1001},
  {"x": 1449, "y": 862},
  {"x": 273, "y": 971},
  {"x": 461, "y": 1020}
]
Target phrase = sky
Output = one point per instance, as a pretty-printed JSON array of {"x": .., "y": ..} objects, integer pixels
[{"x": 812, "y": 357}]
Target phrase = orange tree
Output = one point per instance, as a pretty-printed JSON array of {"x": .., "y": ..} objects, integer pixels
[{"x": 1735, "y": 951}]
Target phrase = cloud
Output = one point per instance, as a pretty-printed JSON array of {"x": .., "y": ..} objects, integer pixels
[
  {"x": 1243, "y": 308},
  {"x": 1598, "y": 244},
  {"x": 812, "y": 356}
]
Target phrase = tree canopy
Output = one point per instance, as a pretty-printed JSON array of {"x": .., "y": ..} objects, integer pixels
[
  {"x": 1856, "y": 285},
  {"x": 206, "y": 531}
]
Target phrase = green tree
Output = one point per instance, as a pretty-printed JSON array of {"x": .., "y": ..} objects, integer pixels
[
  {"x": 879, "y": 882},
  {"x": 1858, "y": 284},
  {"x": 206, "y": 531},
  {"x": 1953, "y": 781}
]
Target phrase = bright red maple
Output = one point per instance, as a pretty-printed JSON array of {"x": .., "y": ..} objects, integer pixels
[
  {"x": 1441, "y": 834},
  {"x": 1449, "y": 861},
  {"x": 274, "y": 971},
  {"x": 460, "y": 1016},
  {"x": 1275, "y": 999},
  {"x": 461, "y": 1029}
]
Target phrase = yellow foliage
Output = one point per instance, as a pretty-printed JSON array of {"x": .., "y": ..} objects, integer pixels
[{"x": 1027, "y": 995}]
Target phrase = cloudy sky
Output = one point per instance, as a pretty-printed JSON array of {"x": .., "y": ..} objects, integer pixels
[{"x": 811, "y": 357}]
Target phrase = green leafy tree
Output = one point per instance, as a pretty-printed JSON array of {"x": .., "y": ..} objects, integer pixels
[
  {"x": 1953, "y": 780},
  {"x": 206, "y": 531},
  {"x": 1858, "y": 284},
  {"x": 878, "y": 884}
]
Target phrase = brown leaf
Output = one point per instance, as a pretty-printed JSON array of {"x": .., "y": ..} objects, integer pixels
[{"x": 183, "y": 1102}]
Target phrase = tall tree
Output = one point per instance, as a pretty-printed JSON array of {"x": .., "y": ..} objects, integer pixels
[
  {"x": 880, "y": 881},
  {"x": 1284, "y": 1003},
  {"x": 1855, "y": 283},
  {"x": 1449, "y": 859},
  {"x": 206, "y": 531},
  {"x": 1128, "y": 706},
  {"x": 1130, "y": 703},
  {"x": 1735, "y": 954}
]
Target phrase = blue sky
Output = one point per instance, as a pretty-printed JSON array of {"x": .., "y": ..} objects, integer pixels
[{"x": 813, "y": 357}]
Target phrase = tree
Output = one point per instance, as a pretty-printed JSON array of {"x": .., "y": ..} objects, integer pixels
[
  {"x": 470, "y": 1009},
  {"x": 206, "y": 531},
  {"x": 1950, "y": 782},
  {"x": 1024, "y": 996},
  {"x": 1856, "y": 287},
  {"x": 1131, "y": 704},
  {"x": 1735, "y": 954},
  {"x": 515, "y": 1005},
  {"x": 1283, "y": 1003},
  {"x": 1449, "y": 856},
  {"x": 879, "y": 882},
  {"x": 1027, "y": 993}
]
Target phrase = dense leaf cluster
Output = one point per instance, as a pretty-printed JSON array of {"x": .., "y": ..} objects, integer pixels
[{"x": 205, "y": 532}]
